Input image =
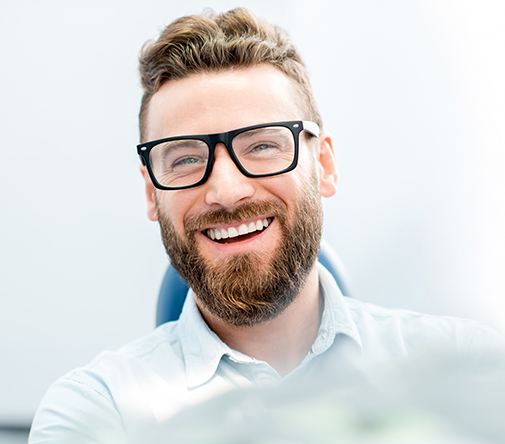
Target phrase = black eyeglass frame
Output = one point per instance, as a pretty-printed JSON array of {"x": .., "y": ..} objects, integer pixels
[{"x": 211, "y": 140}]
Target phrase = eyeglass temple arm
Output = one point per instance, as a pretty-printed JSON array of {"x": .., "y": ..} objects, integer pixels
[{"x": 311, "y": 127}]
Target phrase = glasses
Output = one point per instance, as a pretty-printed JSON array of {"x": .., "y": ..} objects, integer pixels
[{"x": 176, "y": 163}]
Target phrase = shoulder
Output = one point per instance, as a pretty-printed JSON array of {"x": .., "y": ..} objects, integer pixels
[
  {"x": 163, "y": 340},
  {"x": 406, "y": 331},
  {"x": 94, "y": 400},
  {"x": 157, "y": 352}
]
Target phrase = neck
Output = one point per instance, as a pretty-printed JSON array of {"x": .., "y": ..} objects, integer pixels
[{"x": 284, "y": 341}]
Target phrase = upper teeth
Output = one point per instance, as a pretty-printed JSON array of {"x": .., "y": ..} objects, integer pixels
[{"x": 225, "y": 233}]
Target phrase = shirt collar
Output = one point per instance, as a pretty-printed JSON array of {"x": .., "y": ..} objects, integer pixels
[
  {"x": 203, "y": 349},
  {"x": 336, "y": 318}
]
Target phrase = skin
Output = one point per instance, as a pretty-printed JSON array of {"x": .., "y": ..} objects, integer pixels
[{"x": 217, "y": 102}]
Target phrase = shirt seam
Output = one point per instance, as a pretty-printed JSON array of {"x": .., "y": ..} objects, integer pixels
[{"x": 73, "y": 378}]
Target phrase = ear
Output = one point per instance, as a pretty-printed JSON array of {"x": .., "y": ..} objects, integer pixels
[
  {"x": 328, "y": 175},
  {"x": 152, "y": 214}
]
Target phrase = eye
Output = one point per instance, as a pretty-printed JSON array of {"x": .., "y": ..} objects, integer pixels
[
  {"x": 262, "y": 147},
  {"x": 187, "y": 161}
]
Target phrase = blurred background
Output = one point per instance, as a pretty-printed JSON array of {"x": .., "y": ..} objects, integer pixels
[{"x": 412, "y": 92}]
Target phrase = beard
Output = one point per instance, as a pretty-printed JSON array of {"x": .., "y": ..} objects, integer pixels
[{"x": 247, "y": 289}]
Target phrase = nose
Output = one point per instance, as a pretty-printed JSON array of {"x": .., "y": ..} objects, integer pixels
[{"x": 227, "y": 186}]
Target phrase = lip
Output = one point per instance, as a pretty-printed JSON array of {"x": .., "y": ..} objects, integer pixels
[
  {"x": 237, "y": 223},
  {"x": 260, "y": 243}
]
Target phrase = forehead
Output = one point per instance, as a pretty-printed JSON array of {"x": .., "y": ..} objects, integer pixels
[{"x": 221, "y": 101}]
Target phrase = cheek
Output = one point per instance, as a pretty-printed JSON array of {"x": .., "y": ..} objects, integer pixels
[
  {"x": 288, "y": 187},
  {"x": 305, "y": 173},
  {"x": 177, "y": 205},
  {"x": 171, "y": 208}
]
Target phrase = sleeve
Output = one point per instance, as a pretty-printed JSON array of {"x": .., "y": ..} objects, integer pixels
[{"x": 77, "y": 410}]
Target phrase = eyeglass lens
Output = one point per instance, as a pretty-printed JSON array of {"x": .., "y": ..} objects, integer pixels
[{"x": 183, "y": 162}]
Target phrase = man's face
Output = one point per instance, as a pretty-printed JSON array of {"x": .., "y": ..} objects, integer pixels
[{"x": 249, "y": 278}]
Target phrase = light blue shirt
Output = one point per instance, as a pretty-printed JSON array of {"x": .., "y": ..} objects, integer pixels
[{"x": 124, "y": 395}]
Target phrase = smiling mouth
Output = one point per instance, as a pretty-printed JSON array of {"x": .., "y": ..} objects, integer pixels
[{"x": 238, "y": 233}]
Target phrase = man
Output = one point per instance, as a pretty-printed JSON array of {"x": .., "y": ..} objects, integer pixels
[{"x": 235, "y": 160}]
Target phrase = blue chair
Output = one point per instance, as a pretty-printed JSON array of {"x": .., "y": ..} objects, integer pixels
[{"x": 174, "y": 288}]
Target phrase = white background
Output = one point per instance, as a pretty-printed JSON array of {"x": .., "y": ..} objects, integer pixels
[{"x": 412, "y": 91}]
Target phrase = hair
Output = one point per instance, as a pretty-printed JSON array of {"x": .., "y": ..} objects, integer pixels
[{"x": 212, "y": 42}]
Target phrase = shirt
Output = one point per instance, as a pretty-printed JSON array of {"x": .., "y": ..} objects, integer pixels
[{"x": 122, "y": 394}]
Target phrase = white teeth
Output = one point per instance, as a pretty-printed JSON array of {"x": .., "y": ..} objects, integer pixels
[{"x": 223, "y": 233}]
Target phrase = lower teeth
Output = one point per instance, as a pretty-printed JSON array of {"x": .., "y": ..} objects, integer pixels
[{"x": 237, "y": 238}]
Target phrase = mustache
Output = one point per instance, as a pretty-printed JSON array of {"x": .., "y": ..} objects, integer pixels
[{"x": 244, "y": 211}]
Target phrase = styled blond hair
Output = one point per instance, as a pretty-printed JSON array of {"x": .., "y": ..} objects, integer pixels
[{"x": 212, "y": 42}]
